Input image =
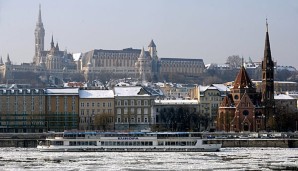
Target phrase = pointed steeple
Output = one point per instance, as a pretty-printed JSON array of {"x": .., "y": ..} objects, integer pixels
[
  {"x": 1, "y": 61},
  {"x": 267, "y": 50},
  {"x": 57, "y": 46},
  {"x": 143, "y": 55},
  {"x": 52, "y": 42},
  {"x": 39, "y": 15},
  {"x": 39, "y": 38},
  {"x": 152, "y": 44},
  {"x": 267, "y": 74},
  {"x": 8, "y": 60}
]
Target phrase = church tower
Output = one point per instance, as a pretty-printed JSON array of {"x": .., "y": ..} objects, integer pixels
[
  {"x": 267, "y": 74},
  {"x": 268, "y": 79},
  {"x": 39, "y": 38}
]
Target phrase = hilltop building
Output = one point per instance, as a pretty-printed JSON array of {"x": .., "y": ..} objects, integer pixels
[{"x": 98, "y": 63}]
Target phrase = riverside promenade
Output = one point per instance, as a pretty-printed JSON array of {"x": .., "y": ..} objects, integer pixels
[{"x": 30, "y": 140}]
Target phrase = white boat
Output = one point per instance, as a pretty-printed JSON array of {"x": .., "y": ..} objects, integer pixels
[{"x": 128, "y": 142}]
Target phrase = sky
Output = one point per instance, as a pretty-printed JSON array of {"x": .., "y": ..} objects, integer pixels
[{"x": 210, "y": 30}]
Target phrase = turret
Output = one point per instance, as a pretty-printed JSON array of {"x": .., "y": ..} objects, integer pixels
[
  {"x": 152, "y": 49},
  {"x": 8, "y": 62}
]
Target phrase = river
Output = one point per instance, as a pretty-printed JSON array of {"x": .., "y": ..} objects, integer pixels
[{"x": 226, "y": 159}]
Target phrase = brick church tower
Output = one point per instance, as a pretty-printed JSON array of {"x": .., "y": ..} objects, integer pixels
[{"x": 268, "y": 80}]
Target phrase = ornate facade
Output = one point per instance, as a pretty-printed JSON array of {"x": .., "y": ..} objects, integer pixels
[
  {"x": 98, "y": 63},
  {"x": 245, "y": 109}
]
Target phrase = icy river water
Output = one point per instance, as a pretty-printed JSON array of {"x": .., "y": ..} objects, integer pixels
[{"x": 226, "y": 159}]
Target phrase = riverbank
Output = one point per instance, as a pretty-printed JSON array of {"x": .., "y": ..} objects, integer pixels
[{"x": 30, "y": 140}]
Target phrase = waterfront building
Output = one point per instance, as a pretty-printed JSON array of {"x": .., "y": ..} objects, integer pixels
[
  {"x": 176, "y": 115},
  {"x": 286, "y": 103},
  {"x": 62, "y": 109},
  {"x": 133, "y": 108},
  {"x": 209, "y": 100},
  {"x": 22, "y": 110},
  {"x": 96, "y": 109}
]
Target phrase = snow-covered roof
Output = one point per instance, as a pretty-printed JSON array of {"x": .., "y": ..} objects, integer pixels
[
  {"x": 56, "y": 91},
  {"x": 203, "y": 88},
  {"x": 282, "y": 97},
  {"x": 96, "y": 94},
  {"x": 76, "y": 56},
  {"x": 178, "y": 102},
  {"x": 122, "y": 84},
  {"x": 221, "y": 87},
  {"x": 128, "y": 91}
]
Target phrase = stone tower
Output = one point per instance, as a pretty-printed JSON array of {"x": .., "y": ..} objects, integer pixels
[
  {"x": 268, "y": 79},
  {"x": 143, "y": 65},
  {"x": 39, "y": 39},
  {"x": 154, "y": 58}
]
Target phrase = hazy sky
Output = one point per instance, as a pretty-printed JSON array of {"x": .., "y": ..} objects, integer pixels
[{"x": 211, "y": 29}]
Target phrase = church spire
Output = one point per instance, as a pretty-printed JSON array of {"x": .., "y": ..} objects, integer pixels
[
  {"x": 268, "y": 78},
  {"x": 8, "y": 62},
  {"x": 267, "y": 50},
  {"x": 52, "y": 42},
  {"x": 39, "y": 38},
  {"x": 39, "y": 15}
]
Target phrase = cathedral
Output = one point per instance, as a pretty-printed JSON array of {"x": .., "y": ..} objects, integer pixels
[{"x": 245, "y": 109}]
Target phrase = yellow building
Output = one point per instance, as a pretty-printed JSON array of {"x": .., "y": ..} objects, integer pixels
[
  {"x": 62, "y": 109},
  {"x": 96, "y": 110},
  {"x": 22, "y": 110}
]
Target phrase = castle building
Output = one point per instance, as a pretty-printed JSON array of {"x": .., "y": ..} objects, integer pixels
[
  {"x": 99, "y": 64},
  {"x": 245, "y": 109}
]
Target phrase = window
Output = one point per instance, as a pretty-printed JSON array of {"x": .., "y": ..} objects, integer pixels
[
  {"x": 132, "y": 110},
  {"x": 139, "y": 119},
  {"x": 119, "y": 111},
  {"x": 132, "y": 102},
  {"x": 146, "y": 102},
  {"x": 118, "y": 119},
  {"x": 125, "y": 110},
  {"x": 82, "y": 104},
  {"x": 139, "y": 111},
  {"x": 139, "y": 102},
  {"x": 119, "y": 103},
  {"x": 145, "y": 120},
  {"x": 92, "y": 104},
  {"x": 146, "y": 111},
  {"x": 103, "y": 104},
  {"x": 132, "y": 119},
  {"x": 98, "y": 104},
  {"x": 125, "y": 103},
  {"x": 87, "y": 104}
]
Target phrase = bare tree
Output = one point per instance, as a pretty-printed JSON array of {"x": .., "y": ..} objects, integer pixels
[
  {"x": 234, "y": 61},
  {"x": 102, "y": 122}
]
